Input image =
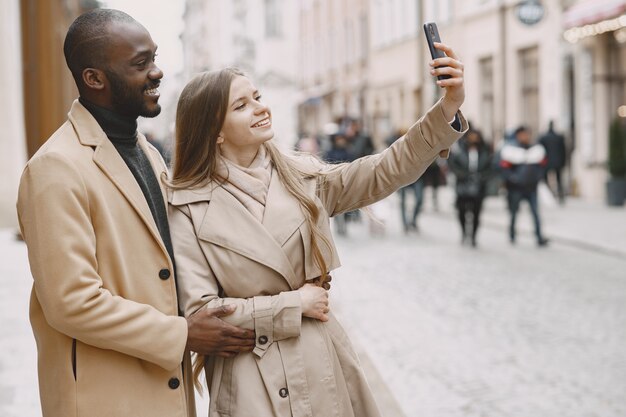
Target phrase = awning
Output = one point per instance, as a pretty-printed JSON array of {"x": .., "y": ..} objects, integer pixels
[{"x": 592, "y": 11}]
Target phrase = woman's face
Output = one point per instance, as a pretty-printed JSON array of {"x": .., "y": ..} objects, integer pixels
[{"x": 248, "y": 122}]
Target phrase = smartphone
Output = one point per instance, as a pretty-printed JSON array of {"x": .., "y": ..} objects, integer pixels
[{"x": 432, "y": 36}]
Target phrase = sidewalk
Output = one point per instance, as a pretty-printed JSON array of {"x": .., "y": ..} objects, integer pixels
[{"x": 586, "y": 225}]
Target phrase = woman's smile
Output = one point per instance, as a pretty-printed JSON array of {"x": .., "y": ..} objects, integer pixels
[{"x": 263, "y": 123}]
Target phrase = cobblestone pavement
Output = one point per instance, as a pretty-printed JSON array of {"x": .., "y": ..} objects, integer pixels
[
  {"x": 495, "y": 331},
  {"x": 442, "y": 330}
]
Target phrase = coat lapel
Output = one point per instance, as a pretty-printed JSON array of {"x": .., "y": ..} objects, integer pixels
[
  {"x": 227, "y": 223},
  {"x": 111, "y": 163}
]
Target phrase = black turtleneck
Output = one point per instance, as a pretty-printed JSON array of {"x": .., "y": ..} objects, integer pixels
[{"x": 122, "y": 132}]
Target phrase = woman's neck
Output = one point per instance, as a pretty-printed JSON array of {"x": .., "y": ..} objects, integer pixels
[{"x": 241, "y": 157}]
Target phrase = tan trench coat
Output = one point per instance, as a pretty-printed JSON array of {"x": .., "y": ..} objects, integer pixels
[
  {"x": 109, "y": 339},
  {"x": 300, "y": 366}
]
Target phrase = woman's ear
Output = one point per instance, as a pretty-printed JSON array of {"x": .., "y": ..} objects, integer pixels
[
  {"x": 220, "y": 139},
  {"x": 93, "y": 78}
]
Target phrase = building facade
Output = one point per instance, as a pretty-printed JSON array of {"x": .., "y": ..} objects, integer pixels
[
  {"x": 334, "y": 63},
  {"x": 526, "y": 63},
  {"x": 395, "y": 94},
  {"x": 514, "y": 71},
  {"x": 596, "y": 33},
  {"x": 259, "y": 37},
  {"x": 36, "y": 85},
  {"x": 12, "y": 130}
]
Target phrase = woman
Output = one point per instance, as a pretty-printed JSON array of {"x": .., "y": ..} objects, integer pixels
[
  {"x": 250, "y": 227},
  {"x": 470, "y": 162}
]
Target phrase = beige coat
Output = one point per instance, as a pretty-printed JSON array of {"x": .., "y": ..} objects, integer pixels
[
  {"x": 109, "y": 339},
  {"x": 300, "y": 366}
]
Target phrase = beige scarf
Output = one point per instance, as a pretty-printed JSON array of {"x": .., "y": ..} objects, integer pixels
[{"x": 248, "y": 185}]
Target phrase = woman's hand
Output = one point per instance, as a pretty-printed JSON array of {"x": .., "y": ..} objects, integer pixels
[
  {"x": 455, "y": 89},
  {"x": 314, "y": 302}
]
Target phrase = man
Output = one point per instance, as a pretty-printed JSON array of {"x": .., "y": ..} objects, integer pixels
[
  {"x": 92, "y": 211},
  {"x": 522, "y": 165},
  {"x": 554, "y": 143},
  {"x": 359, "y": 143}
]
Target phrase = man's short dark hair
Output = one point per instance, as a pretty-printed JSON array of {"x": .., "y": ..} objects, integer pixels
[
  {"x": 87, "y": 40},
  {"x": 519, "y": 130}
]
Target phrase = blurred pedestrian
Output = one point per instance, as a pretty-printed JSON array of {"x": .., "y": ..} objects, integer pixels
[
  {"x": 91, "y": 207},
  {"x": 434, "y": 177},
  {"x": 417, "y": 189},
  {"x": 308, "y": 144},
  {"x": 276, "y": 209},
  {"x": 337, "y": 154},
  {"x": 409, "y": 223},
  {"x": 554, "y": 143},
  {"x": 470, "y": 162},
  {"x": 158, "y": 145},
  {"x": 360, "y": 144},
  {"x": 522, "y": 164}
]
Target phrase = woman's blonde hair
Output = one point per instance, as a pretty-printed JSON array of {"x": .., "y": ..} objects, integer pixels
[{"x": 200, "y": 115}]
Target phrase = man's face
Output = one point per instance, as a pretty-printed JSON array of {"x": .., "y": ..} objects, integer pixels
[
  {"x": 132, "y": 75},
  {"x": 473, "y": 138},
  {"x": 523, "y": 137}
]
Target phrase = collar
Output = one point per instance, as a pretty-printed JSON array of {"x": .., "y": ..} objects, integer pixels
[{"x": 117, "y": 127}]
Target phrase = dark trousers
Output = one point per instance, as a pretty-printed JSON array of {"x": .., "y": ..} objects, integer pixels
[
  {"x": 466, "y": 206},
  {"x": 417, "y": 188},
  {"x": 515, "y": 197},
  {"x": 559, "y": 183}
]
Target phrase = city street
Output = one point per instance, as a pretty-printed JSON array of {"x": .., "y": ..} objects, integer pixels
[
  {"x": 443, "y": 330},
  {"x": 494, "y": 331}
]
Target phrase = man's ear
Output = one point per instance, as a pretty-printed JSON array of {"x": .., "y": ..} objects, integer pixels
[{"x": 94, "y": 78}]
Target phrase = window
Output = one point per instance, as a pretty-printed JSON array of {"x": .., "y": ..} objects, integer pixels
[
  {"x": 439, "y": 11},
  {"x": 273, "y": 23},
  {"x": 528, "y": 64}
]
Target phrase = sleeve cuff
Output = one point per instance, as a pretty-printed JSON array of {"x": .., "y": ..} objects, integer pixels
[
  {"x": 263, "y": 324},
  {"x": 456, "y": 123}
]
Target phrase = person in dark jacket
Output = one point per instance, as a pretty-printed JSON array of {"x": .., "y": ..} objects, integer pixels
[
  {"x": 523, "y": 165},
  {"x": 470, "y": 162},
  {"x": 359, "y": 143},
  {"x": 554, "y": 143},
  {"x": 337, "y": 154}
]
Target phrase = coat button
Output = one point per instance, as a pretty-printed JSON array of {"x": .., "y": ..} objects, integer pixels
[
  {"x": 173, "y": 383},
  {"x": 164, "y": 273},
  {"x": 262, "y": 340},
  {"x": 283, "y": 392}
]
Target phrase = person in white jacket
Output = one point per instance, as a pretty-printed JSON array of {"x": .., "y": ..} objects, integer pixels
[{"x": 522, "y": 164}]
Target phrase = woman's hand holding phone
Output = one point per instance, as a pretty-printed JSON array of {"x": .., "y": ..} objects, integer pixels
[
  {"x": 445, "y": 65},
  {"x": 455, "y": 86}
]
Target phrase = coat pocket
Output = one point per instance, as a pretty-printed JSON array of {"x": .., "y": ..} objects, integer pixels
[{"x": 74, "y": 358}]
